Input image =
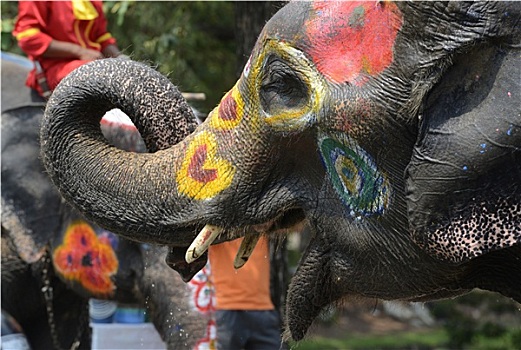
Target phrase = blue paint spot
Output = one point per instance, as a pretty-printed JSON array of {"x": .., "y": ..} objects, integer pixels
[
  {"x": 509, "y": 131},
  {"x": 483, "y": 145},
  {"x": 465, "y": 168}
]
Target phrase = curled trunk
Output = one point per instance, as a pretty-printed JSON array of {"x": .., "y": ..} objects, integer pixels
[{"x": 87, "y": 167}]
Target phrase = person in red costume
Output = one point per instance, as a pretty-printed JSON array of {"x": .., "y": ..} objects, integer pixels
[{"x": 59, "y": 36}]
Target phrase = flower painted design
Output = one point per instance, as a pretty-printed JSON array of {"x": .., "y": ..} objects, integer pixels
[{"x": 87, "y": 259}]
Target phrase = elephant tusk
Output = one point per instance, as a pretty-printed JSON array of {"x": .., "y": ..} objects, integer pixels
[
  {"x": 247, "y": 246},
  {"x": 201, "y": 243}
]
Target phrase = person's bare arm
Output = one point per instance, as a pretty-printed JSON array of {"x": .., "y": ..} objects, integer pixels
[
  {"x": 63, "y": 49},
  {"x": 111, "y": 51}
]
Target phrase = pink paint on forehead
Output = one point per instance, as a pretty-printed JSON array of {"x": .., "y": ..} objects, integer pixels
[{"x": 351, "y": 41}]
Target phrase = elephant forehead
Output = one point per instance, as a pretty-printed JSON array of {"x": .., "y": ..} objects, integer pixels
[{"x": 348, "y": 41}]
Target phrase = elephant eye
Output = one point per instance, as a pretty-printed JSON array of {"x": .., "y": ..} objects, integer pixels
[{"x": 281, "y": 89}]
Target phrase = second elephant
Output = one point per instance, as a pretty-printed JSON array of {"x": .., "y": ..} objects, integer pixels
[{"x": 53, "y": 260}]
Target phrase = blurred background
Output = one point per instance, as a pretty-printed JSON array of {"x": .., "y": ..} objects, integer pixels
[
  {"x": 194, "y": 43},
  {"x": 202, "y": 47}
]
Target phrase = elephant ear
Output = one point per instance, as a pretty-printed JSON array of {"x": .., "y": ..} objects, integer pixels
[{"x": 463, "y": 181}]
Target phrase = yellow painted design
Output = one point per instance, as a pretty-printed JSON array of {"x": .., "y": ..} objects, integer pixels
[
  {"x": 234, "y": 107},
  {"x": 352, "y": 183},
  {"x": 290, "y": 119},
  {"x": 27, "y": 33},
  {"x": 366, "y": 65},
  {"x": 202, "y": 174},
  {"x": 234, "y": 117},
  {"x": 298, "y": 118},
  {"x": 84, "y": 10}
]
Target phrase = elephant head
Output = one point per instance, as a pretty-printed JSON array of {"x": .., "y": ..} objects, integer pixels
[{"x": 393, "y": 129}]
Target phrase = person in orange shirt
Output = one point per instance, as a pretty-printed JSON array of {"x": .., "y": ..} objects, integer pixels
[
  {"x": 245, "y": 315},
  {"x": 59, "y": 36}
]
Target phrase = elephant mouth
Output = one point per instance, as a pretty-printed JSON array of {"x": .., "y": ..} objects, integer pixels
[{"x": 188, "y": 261}]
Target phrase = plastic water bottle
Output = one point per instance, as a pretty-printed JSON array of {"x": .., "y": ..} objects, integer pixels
[
  {"x": 102, "y": 311},
  {"x": 12, "y": 334}
]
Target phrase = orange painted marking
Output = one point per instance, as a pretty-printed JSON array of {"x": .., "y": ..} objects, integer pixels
[{"x": 85, "y": 259}]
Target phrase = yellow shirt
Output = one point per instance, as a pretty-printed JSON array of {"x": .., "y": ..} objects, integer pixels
[{"x": 247, "y": 288}]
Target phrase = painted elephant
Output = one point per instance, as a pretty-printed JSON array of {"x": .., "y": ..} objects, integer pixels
[
  {"x": 393, "y": 129},
  {"x": 53, "y": 260}
]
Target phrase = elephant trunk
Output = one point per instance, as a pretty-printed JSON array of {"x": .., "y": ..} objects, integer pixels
[{"x": 127, "y": 193}]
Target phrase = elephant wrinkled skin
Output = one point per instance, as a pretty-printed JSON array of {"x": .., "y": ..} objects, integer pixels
[{"x": 393, "y": 129}]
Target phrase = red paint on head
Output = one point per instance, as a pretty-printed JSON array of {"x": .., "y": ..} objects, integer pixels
[
  {"x": 228, "y": 108},
  {"x": 196, "y": 168},
  {"x": 350, "y": 41}
]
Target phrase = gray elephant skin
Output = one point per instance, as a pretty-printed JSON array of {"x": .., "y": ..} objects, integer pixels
[
  {"x": 393, "y": 129},
  {"x": 40, "y": 232}
]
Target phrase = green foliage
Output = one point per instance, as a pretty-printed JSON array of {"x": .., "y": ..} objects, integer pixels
[
  {"x": 9, "y": 10},
  {"x": 477, "y": 321},
  {"x": 433, "y": 339},
  {"x": 191, "y": 42},
  {"x": 460, "y": 329},
  {"x": 407, "y": 340},
  {"x": 473, "y": 321}
]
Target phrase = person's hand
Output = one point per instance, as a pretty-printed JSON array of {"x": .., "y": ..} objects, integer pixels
[{"x": 89, "y": 55}]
